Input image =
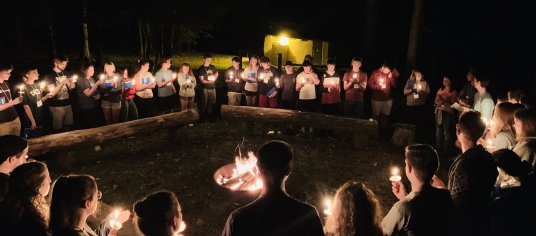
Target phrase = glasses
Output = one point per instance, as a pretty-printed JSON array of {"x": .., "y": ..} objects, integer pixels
[{"x": 99, "y": 195}]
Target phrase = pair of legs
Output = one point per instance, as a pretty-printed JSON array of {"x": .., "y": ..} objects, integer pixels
[
  {"x": 444, "y": 130},
  {"x": 11, "y": 127},
  {"x": 209, "y": 99},
  {"x": 308, "y": 105},
  {"x": 62, "y": 118},
  {"x": 265, "y": 101},
  {"x": 111, "y": 111},
  {"x": 128, "y": 111},
  {"x": 251, "y": 98},
  {"x": 144, "y": 106},
  {"x": 187, "y": 103},
  {"x": 166, "y": 104},
  {"x": 234, "y": 99},
  {"x": 354, "y": 109},
  {"x": 381, "y": 110}
]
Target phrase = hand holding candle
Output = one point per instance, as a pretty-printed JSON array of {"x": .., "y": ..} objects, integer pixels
[
  {"x": 277, "y": 82},
  {"x": 490, "y": 144},
  {"x": 231, "y": 75},
  {"x": 115, "y": 224},
  {"x": 174, "y": 75},
  {"x": 328, "y": 210},
  {"x": 102, "y": 77},
  {"x": 20, "y": 90},
  {"x": 75, "y": 78},
  {"x": 395, "y": 177}
]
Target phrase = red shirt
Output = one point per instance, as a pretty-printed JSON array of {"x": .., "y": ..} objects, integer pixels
[
  {"x": 355, "y": 94},
  {"x": 128, "y": 93},
  {"x": 446, "y": 97},
  {"x": 382, "y": 93}
]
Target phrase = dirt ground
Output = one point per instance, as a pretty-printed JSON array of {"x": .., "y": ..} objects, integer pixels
[{"x": 134, "y": 167}]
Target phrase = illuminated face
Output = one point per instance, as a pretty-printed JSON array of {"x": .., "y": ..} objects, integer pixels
[
  {"x": 32, "y": 75},
  {"x": 166, "y": 65},
  {"x": 288, "y": 69},
  {"x": 125, "y": 73},
  {"x": 145, "y": 67},
  {"x": 518, "y": 127},
  {"x": 90, "y": 71},
  {"x": 60, "y": 65},
  {"x": 253, "y": 61},
  {"x": 265, "y": 65},
  {"x": 331, "y": 67},
  {"x": 307, "y": 69},
  {"x": 418, "y": 76},
  {"x": 446, "y": 82},
  {"x": 4, "y": 75},
  {"x": 45, "y": 186},
  {"x": 109, "y": 69},
  {"x": 385, "y": 70},
  {"x": 356, "y": 65},
  {"x": 470, "y": 76},
  {"x": 208, "y": 60},
  {"x": 236, "y": 64},
  {"x": 185, "y": 69}
]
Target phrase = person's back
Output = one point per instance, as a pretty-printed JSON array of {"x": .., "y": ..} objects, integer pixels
[
  {"x": 274, "y": 215},
  {"x": 514, "y": 211},
  {"x": 421, "y": 213}
]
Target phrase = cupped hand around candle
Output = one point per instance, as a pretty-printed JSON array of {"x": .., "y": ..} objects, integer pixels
[
  {"x": 123, "y": 216},
  {"x": 399, "y": 190}
]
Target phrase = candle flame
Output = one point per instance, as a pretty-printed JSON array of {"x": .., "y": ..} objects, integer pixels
[
  {"x": 116, "y": 214},
  {"x": 328, "y": 203},
  {"x": 489, "y": 142},
  {"x": 182, "y": 227},
  {"x": 395, "y": 171}
]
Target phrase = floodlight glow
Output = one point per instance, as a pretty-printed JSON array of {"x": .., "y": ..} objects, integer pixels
[{"x": 283, "y": 40}]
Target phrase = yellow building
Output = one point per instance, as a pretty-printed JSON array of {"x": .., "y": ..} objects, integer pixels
[{"x": 294, "y": 49}]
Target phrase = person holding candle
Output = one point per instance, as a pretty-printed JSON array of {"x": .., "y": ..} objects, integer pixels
[
  {"x": 267, "y": 85},
  {"x": 502, "y": 131},
  {"x": 207, "y": 76},
  {"x": 187, "y": 83},
  {"x": 525, "y": 127},
  {"x": 289, "y": 94},
  {"x": 166, "y": 92},
  {"x": 426, "y": 210},
  {"x": 235, "y": 84},
  {"x": 74, "y": 199},
  {"x": 250, "y": 77},
  {"x": 467, "y": 95},
  {"x": 331, "y": 93},
  {"x": 307, "y": 80},
  {"x": 32, "y": 103},
  {"x": 158, "y": 214},
  {"x": 111, "y": 89},
  {"x": 444, "y": 116},
  {"x": 513, "y": 205},
  {"x": 25, "y": 210},
  {"x": 274, "y": 212},
  {"x": 60, "y": 83},
  {"x": 381, "y": 82},
  {"x": 88, "y": 95},
  {"x": 128, "y": 107},
  {"x": 483, "y": 101},
  {"x": 355, "y": 211},
  {"x": 471, "y": 179},
  {"x": 12, "y": 154},
  {"x": 145, "y": 82},
  {"x": 355, "y": 83},
  {"x": 9, "y": 119},
  {"x": 416, "y": 91}
]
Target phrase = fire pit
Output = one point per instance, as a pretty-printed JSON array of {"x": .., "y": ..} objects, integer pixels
[{"x": 239, "y": 182}]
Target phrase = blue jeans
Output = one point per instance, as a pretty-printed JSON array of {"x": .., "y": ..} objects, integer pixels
[{"x": 444, "y": 132}]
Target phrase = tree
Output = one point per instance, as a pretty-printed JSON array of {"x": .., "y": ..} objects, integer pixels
[
  {"x": 87, "y": 55},
  {"x": 415, "y": 31}
]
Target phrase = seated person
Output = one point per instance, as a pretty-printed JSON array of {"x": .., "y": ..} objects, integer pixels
[
  {"x": 158, "y": 214},
  {"x": 274, "y": 212},
  {"x": 13, "y": 150}
]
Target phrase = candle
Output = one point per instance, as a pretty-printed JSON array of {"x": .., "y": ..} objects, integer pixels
[
  {"x": 174, "y": 75},
  {"x": 20, "y": 90},
  {"x": 490, "y": 144},
  {"x": 102, "y": 76},
  {"x": 332, "y": 83},
  {"x": 276, "y": 82},
  {"x": 355, "y": 75},
  {"x": 51, "y": 89},
  {"x": 302, "y": 80},
  {"x": 262, "y": 75},
  {"x": 395, "y": 176},
  {"x": 242, "y": 75},
  {"x": 491, "y": 123},
  {"x": 42, "y": 85},
  {"x": 115, "y": 224},
  {"x": 419, "y": 87},
  {"x": 75, "y": 78},
  {"x": 381, "y": 80},
  {"x": 328, "y": 210}
]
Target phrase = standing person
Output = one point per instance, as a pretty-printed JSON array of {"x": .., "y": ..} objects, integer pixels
[
  {"x": 417, "y": 90},
  {"x": 25, "y": 210},
  {"x": 88, "y": 95},
  {"x": 111, "y": 90},
  {"x": 9, "y": 119},
  {"x": 59, "y": 83},
  {"x": 355, "y": 83},
  {"x": 187, "y": 83},
  {"x": 208, "y": 76},
  {"x": 467, "y": 95},
  {"x": 483, "y": 102},
  {"x": 74, "y": 199},
  {"x": 331, "y": 92},
  {"x": 250, "y": 77},
  {"x": 305, "y": 85},
  {"x": 164, "y": 81},
  {"x": 525, "y": 127},
  {"x": 145, "y": 82},
  {"x": 288, "y": 86},
  {"x": 309, "y": 59},
  {"x": 471, "y": 179},
  {"x": 158, "y": 214},
  {"x": 381, "y": 83},
  {"x": 267, "y": 75},
  {"x": 13, "y": 152},
  {"x": 355, "y": 211},
  {"x": 235, "y": 85},
  {"x": 444, "y": 116},
  {"x": 426, "y": 210},
  {"x": 128, "y": 107},
  {"x": 274, "y": 212},
  {"x": 32, "y": 103}
]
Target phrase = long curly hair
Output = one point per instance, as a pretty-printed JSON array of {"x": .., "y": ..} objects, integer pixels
[
  {"x": 355, "y": 211},
  {"x": 24, "y": 199}
]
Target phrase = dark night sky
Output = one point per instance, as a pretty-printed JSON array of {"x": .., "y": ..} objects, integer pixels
[{"x": 497, "y": 36}]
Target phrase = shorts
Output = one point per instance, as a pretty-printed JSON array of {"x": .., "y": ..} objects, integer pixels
[
  {"x": 209, "y": 97},
  {"x": 383, "y": 107},
  {"x": 11, "y": 127},
  {"x": 289, "y": 105},
  {"x": 61, "y": 116},
  {"x": 166, "y": 103},
  {"x": 113, "y": 105},
  {"x": 234, "y": 99},
  {"x": 307, "y": 105},
  {"x": 187, "y": 98},
  {"x": 251, "y": 94}
]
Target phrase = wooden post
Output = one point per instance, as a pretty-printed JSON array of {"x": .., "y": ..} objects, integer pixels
[{"x": 74, "y": 140}]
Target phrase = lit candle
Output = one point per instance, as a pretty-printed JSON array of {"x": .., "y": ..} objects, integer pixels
[
  {"x": 51, "y": 89},
  {"x": 490, "y": 144},
  {"x": 419, "y": 87},
  {"x": 115, "y": 224},
  {"x": 20, "y": 90},
  {"x": 355, "y": 75},
  {"x": 332, "y": 83},
  {"x": 276, "y": 82},
  {"x": 491, "y": 123},
  {"x": 242, "y": 75},
  {"x": 302, "y": 80},
  {"x": 262, "y": 75},
  {"x": 75, "y": 78},
  {"x": 42, "y": 85},
  {"x": 153, "y": 80},
  {"x": 395, "y": 176},
  {"x": 174, "y": 75},
  {"x": 328, "y": 210},
  {"x": 102, "y": 76}
]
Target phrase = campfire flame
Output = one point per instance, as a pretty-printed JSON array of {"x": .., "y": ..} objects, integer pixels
[{"x": 245, "y": 176}]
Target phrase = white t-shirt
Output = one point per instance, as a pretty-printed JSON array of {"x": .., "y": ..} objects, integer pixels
[
  {"x": 308, "y": 90},
  {"x": 252, "y": 87},
  {"x": 146, "y": 93}
]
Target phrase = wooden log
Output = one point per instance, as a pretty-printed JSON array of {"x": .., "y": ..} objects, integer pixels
[
  {"x": 290, "y": 117},
  {"x": 74, "y": 140},
  {"x": 403, "y": 135}
]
